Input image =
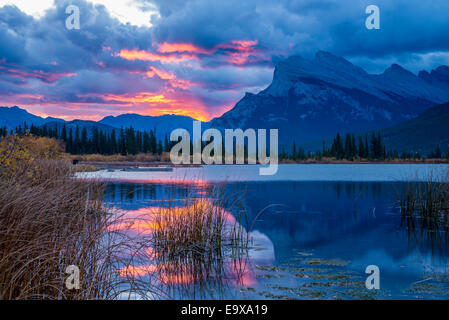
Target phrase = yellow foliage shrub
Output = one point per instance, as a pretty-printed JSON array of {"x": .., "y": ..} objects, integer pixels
[{"x": 19, "y": 153}]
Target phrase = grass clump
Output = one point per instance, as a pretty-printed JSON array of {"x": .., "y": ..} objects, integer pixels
[
  {"x": 50, "y": 221},
  {"x": 429, "y": 199},
  {"x": 424, "y": 209},
  {"x": 201, "y": 238}
]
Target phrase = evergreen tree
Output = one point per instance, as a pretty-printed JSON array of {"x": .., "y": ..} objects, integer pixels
[
  {"x": 123, "y": 150},
  {"x": 76, "y": 147},
  {"x": 294, "y": 156},
  {"x": 113, "y": 143},
  {"x": 361, "y": 148},
  {"x": 84, "y": 147},
  {"x": 64, "y": 134},
  {"x": 337, "y": 149},
  {"x": 353, "y": 147},
  {"x": 348, "y": 147},
  {"x": 69, "y": 144}
]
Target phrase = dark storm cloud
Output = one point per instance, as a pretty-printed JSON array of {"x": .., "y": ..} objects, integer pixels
[
  {"x": 234, "y": 45},
  {"x": 303, "y": 27}
]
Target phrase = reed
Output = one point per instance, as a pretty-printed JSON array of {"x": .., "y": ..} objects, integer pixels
[
  {"x": 201, "y": 242},
  {"x": 49, "y": 221},
  {"x": 424, "y": 208},
  {"x": 428, "y": 199}
]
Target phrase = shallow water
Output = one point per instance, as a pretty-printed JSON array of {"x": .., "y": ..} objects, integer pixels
[
  {"x": 314, "y": 240},
  {"x": 286, "y": 172}
]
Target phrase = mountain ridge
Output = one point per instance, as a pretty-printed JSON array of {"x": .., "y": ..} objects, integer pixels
[{"x": 315, "y": 98}]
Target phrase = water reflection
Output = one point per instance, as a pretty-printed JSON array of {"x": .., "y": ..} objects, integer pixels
[
  {"x": 194, "y": 246},
  {"x": 355, "y": 222}
]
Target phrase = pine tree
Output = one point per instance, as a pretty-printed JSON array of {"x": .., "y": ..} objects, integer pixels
[
  {"x": 337, "y": 149},
  {"x": 64, "y": 133},
  {"x": 353, "y": 147},
  {"x": 113, "y": 143},
  {"x": 294, "y": 156},
  {"x": 361, "y": 148},
  {"x": 84, "y": 142},
  {"x": 348, "y": 147},
  {"x": 76, "y": 147},
  {"x": 123, "y": 150}
]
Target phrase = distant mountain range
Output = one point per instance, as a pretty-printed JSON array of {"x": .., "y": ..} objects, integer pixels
[
  {"x": 12, "y": 117},
  {"x": 81, "y": 124},
  {"x": 311, "y": 100},
  {"x": 15, "y": 116},
  {"x": 162, "y": 125}
]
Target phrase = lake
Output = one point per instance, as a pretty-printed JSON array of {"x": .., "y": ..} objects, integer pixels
[{"x": 314, "y": 231}]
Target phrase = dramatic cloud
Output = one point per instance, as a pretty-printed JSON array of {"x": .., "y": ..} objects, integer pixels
[{"x": 194, "y": 57}]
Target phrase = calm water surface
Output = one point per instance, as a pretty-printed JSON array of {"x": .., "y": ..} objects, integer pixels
[{"x": 314, "y": 239}]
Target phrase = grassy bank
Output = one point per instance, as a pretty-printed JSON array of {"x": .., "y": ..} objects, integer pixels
[
  {"x": 50, "y": 221},
  {"x": 90, "y": 162}
]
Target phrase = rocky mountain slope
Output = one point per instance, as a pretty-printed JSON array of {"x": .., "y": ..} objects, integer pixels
[{"x": 314, "y": 99}]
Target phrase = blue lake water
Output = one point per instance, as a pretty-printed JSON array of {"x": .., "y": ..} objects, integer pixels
[{"x": 314, "y": 239}]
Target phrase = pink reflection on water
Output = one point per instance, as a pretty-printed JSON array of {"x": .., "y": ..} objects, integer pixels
[{"x": 144, "y": 222}]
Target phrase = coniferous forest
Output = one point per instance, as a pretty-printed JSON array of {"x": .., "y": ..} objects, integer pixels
[{"x": 128, "y": 141}]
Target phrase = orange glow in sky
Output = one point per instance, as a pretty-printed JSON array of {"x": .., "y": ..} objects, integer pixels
[{"x": 169, "y": 90}]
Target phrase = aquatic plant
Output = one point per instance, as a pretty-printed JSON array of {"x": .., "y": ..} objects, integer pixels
[
  {"x": 201, "y": 242},
  {"x": 424, "y": 209},
  {"x": 429, "y": 199}
]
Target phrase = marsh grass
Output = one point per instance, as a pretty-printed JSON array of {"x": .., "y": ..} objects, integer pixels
[
  {"x": 429, "y": 200},
  {"x": 424, "y": 208},
  {"x": 202, "y": 243},
  {"x": 49, "y": 221}
]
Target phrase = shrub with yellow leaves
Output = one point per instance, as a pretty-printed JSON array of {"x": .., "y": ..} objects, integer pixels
[{"x": 18, "y": 154}]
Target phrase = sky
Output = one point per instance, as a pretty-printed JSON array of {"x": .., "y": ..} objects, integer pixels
[{"x": 194, "y": 57}]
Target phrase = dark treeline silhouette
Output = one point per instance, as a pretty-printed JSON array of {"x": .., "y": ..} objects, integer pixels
[
  {"x": 79, "y": 141},
  {"x": 130, "y": 141},
  {"x": 354, "y": 147}
]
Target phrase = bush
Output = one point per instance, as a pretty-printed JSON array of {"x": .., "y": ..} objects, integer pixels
[{"x": 18, "y": 154}]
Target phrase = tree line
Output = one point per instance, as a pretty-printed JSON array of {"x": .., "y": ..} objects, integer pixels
[
  {"x": 130, "y": 141},
  {"x": 78, "y": 141},
  {"x": 352, "y": 147}
]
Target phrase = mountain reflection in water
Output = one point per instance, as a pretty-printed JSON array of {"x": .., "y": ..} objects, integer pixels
[{"x": 312, "y": 240}]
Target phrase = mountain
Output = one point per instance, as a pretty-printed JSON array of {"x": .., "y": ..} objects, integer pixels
[
  {"x": 12, "y": 117},
  {"x": 421, "y": 134},
  {"x": 162, "y": 125},
  {"x": 81, "y": 124},
  {"x": 314, "y": 99}
]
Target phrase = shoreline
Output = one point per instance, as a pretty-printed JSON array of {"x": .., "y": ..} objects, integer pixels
[
  {"x": 157, "y": 164},
  {"x": 245, "y": 173}
]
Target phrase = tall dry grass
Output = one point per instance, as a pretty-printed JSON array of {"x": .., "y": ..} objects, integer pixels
[
  {"x": 202, "y": 243},
  {"x": 424, "y": 208},
  {"x": 428, "y": 199},
  {"x": 49, "y": 221}
]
